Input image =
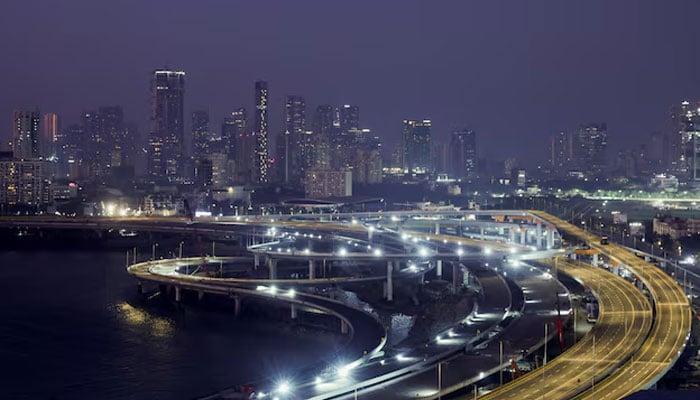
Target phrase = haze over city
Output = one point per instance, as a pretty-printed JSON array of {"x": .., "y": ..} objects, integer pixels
[
  {"x": 325, "y": 200},
  {"x": 514, "y": 72}
]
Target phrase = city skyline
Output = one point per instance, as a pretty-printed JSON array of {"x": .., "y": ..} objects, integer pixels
[{"x": 519, "y": 81}]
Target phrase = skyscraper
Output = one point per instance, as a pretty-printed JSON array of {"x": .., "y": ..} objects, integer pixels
[
  {"x": 463, "y": 146},
  {"x": 244, "y": 145},
  {"x": 349, "y": 118},
  {"x": 50, "y": 135},
  {"x": 262, "y": 162},
  {"x": 685, "y": 140},
  {"x": 166, "y": 141},
  {"x": 560, "y": 156},
  {"x": 292, "y": 146},
  {"x": 589, "y": 150},
  {"x": 26, "y": 137},
  {"x": 229, "y": 133},
  {"x": 322, "y": 135},
  {"x": 416, "y": 146},
  {"x": 201, "y": 137},
  {"x": 117, "y": 141}
]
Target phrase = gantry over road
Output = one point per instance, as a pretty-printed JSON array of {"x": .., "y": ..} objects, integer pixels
[{"x": 671, "y": 326}]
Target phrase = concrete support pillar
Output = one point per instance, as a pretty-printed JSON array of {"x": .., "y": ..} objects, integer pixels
[
  {"x": 455, "y": 272},
  {"x": 200, "y": 295},
  {"x": 344, "y": 327},
  {"x": 294, "y": 311},
  {"x": 511, "y": 233},
  {"x": 573, "y": 256},
  {"x": 178, "y": 294},
  {"x": 538, "y": 233},
  {"x": 437, "y": 228},
  {"x": 272, "y": 266},
  {"x": 550, "y": 238},
  {"x": 139, "y": 287},
  {"x": 389, "y": 281},
  {"x": 594, "y": 260},
  {"x": 256, "y": 258},
  {"x": 312, "y": 269},
  {"x": 523, "y": 235},
  {"x": 481, "y": 233},
  {"x": 236, "y": 306},
  {"x": 438, "y": 269}
]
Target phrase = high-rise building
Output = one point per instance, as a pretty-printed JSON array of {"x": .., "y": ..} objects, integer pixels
[
  {"x": 229, "y": 133},
  {"x": 560, "y": 153},
  {"x": 166, "y": 141},
  {"x": 685, "y": 140},
  {"x": 50, "y": 135},
  {"x": 416, "y": 146},
  {"x": 244, "y": 145},
  {"x": 72, "y": 147},
  {"x": 201, "y": 137},
  {"x": 463, "y": 147},
  {"x": 346, "y": 125},
  {"x": 118, "y": 139},
  {"x": 109, "y": 142},
  {"x": 367, "y": 160},
  {"x": 321, "y": 183},
  {"x": 323, "y": 132},
  {"x": 262, "y": 158},
  {"x": 349, "y": 118},
  {"x": 292, "y": 147},
  {"x": 24, "y": 182},
  {"x": 589, "y": 150},
  {"x": 26, "y": 137}
]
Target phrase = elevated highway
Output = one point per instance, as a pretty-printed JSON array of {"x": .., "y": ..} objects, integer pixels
[
  {"x": 637, "y": 340},
  {"x": 669, "y": 332},
  {"x": 624, "y": 322}
]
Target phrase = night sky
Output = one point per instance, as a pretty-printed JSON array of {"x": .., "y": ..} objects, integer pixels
[{"x": 515, "y": 71}]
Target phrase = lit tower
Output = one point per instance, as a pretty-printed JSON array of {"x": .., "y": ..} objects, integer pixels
[
  {"x": 201, "y": 137},
  {"x": 463, "y": 148},
  {"x": 26, "y": 140},
  {"x": 51, "y": 134},
  {"x": 166, "y": 141},
  {"x": 292, "y": 146},
  {"x": 262, "y": 161},
  {"x": 416, "y": 146}
]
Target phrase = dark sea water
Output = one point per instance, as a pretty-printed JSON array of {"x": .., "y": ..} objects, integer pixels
[{"x": 72, "y": 326}]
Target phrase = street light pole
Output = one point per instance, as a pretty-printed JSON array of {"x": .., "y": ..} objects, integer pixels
[
  {"x": 593, "y": 369},
  {"x": 439, "y": 380},
  {"x": 500, "y": 362}
]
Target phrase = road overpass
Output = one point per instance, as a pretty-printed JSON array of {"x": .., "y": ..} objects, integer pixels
[{"x": 653, "y": 357}]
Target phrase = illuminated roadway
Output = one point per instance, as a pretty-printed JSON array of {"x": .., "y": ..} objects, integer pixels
[
  {"x": 669, "y": 333},
  {"x": 570, "y": 373},
  {"x": 623, "y": 324}
]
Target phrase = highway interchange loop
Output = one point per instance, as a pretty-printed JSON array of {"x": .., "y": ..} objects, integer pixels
[{"x": 637, "y": 339}]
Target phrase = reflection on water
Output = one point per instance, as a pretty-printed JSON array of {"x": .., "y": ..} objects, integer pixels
[
  {"x": 157, "y": 326},
  {"x": 73, "y": 327}
]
